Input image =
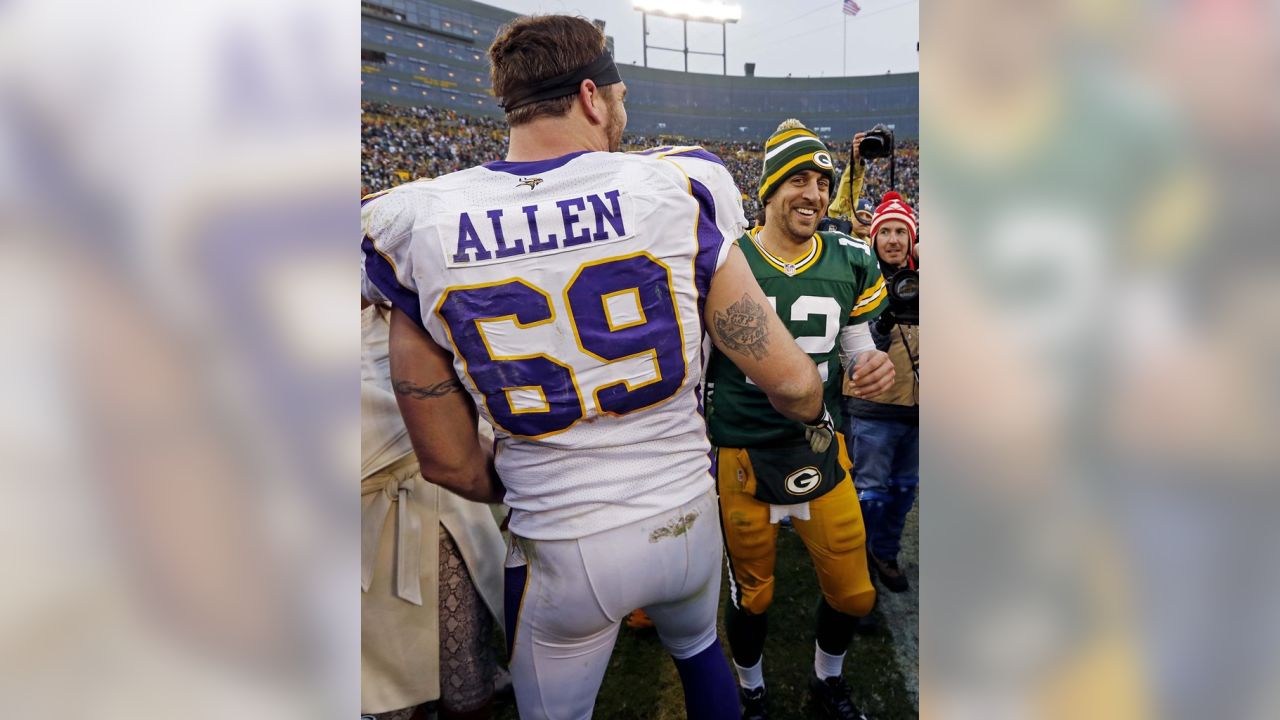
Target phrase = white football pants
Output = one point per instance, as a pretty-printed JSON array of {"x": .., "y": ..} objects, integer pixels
[{"x": 576, "y": 592}]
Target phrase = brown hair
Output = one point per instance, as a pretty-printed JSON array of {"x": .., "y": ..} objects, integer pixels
[{"x": 533, "y": 48}]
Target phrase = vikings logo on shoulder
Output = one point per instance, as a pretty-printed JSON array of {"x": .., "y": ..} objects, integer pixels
[{"x": 531, "y": 182}]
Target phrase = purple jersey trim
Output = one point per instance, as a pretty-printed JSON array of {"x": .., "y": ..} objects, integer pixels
[
  {"x": 700, "y": 154},
  {"x": 514, "y": 581},
  {"x": 709, "y": 241},
  {"x": 532, "y": 167},
  {"x": 383, "y": 277},
  {"x": 651, "y": 151}
]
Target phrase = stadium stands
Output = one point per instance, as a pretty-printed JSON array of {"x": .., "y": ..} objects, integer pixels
[
  {"x": 405, "y": 143},
  {"x": 429, "y": 108},
  {"x": 432, "y": 53}
]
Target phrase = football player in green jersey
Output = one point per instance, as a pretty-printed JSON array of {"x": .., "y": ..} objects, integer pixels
[{"x": 824, "y": 286}]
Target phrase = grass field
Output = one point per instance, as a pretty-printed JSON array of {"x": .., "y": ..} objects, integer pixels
[{"x": 881, "y": 666}]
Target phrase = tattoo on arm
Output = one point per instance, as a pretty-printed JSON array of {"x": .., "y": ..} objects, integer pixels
[
  {"x": 424, "y": 392},
  {"x": 743, "y": 328}
]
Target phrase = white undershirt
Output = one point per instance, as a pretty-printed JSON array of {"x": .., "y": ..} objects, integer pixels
[{"x": 854, "y": 340}]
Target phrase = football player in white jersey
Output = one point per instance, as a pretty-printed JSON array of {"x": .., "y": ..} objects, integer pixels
[{"x": 562, "y": 294}]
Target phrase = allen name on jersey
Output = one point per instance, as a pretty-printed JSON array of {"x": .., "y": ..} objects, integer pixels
[{"x": 513, "y": 231}]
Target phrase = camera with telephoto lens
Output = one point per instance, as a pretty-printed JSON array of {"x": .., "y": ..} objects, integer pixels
[
  {"x": 877, "y": 143},
  {"x": 904, "y": 301}
]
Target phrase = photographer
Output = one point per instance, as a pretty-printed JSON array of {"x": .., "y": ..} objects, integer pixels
[
  {"x": 870, "y": 144},
  {"x": 886, "y": 432}
]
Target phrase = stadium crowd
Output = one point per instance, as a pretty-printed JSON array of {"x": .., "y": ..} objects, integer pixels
[{"x": 399, "y": 144}]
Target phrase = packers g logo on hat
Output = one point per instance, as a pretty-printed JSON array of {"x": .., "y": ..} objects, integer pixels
[{"x": 793, "y": 148}]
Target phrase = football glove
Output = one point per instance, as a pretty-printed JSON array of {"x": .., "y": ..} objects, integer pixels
[{"x": 820, "y": 432}]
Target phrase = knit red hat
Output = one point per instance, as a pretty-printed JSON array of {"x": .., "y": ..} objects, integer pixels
[{"x": 893, "y": 207}]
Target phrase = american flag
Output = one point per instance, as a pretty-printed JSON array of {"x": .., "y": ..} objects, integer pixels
[{"x": 851, "y": 7}]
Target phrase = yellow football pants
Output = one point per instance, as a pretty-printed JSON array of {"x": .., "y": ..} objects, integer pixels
[{"x": 833, "y": 534}]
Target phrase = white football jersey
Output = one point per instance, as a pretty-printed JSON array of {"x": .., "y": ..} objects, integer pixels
[{"x": 570, "y": 293}]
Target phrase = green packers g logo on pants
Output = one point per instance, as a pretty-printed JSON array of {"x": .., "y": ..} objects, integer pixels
[{"x": 804, "y": 480}]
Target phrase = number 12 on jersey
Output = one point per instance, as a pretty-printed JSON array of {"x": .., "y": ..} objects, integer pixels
[
  {"x": 805, "y": 307},
  {"x": 652, "y": 332}
]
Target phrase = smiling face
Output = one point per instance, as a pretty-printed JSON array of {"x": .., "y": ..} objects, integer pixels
[{"x": 798, "y": 204}]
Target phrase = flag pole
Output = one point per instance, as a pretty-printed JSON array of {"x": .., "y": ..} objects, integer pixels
[{"x": 844, "y": 46}]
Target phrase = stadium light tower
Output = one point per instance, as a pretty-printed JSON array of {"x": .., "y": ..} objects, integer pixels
[{"x": 710, "y": 11}]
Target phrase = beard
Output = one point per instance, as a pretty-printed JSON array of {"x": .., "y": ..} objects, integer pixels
[
  {"x": 613, "y": 130},
  {"x": 617, "y": 121},
  {"x": 798, "y": 230}
]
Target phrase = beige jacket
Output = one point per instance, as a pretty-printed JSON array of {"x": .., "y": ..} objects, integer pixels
[
  {"x": 400, "y": 519},
  {"x": 902, "y": 400}
]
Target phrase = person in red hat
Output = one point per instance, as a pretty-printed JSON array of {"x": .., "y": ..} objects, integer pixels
[
  {"x": 893, "y": 233},
  {"x": 885, "y": 432}
]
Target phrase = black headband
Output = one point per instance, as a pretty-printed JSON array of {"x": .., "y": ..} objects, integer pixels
[{"x": 601, "y": 71}]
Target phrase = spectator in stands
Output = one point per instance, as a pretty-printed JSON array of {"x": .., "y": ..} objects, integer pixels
[{"x": 400, "y": 143}]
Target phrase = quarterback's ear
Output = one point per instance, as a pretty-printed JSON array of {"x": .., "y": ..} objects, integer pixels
[{"x": 592, "y": 102}]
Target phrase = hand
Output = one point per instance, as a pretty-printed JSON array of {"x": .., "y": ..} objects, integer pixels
[
  {"x": 820, "y": 432},
  {"x": 872, "y": 374},
  {"x": 857, "y": 140}
]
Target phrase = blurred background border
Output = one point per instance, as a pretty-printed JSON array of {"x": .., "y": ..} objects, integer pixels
[{"x": 179, "y": 214}]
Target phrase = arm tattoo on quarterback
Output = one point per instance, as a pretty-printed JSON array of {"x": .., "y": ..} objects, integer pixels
[
  {"x": 424, "y": 392},
  {"x": 743, "y": 328}
]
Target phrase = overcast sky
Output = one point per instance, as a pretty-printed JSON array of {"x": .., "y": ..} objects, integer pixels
[{"x": 801, "y": 38}]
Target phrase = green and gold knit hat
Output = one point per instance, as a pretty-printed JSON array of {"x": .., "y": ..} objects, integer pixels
[{"x": 792, "y": 148}]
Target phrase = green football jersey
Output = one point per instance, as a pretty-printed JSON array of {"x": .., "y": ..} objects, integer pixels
[{"x": 838, "y": 283}]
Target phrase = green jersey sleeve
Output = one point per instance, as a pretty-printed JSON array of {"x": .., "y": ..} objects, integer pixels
[{"x": 872, "y": 294}]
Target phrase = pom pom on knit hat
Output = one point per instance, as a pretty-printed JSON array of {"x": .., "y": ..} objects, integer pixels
[
  {"x": 793, "y": 148},
  {"x": 893, "y": 207}
]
